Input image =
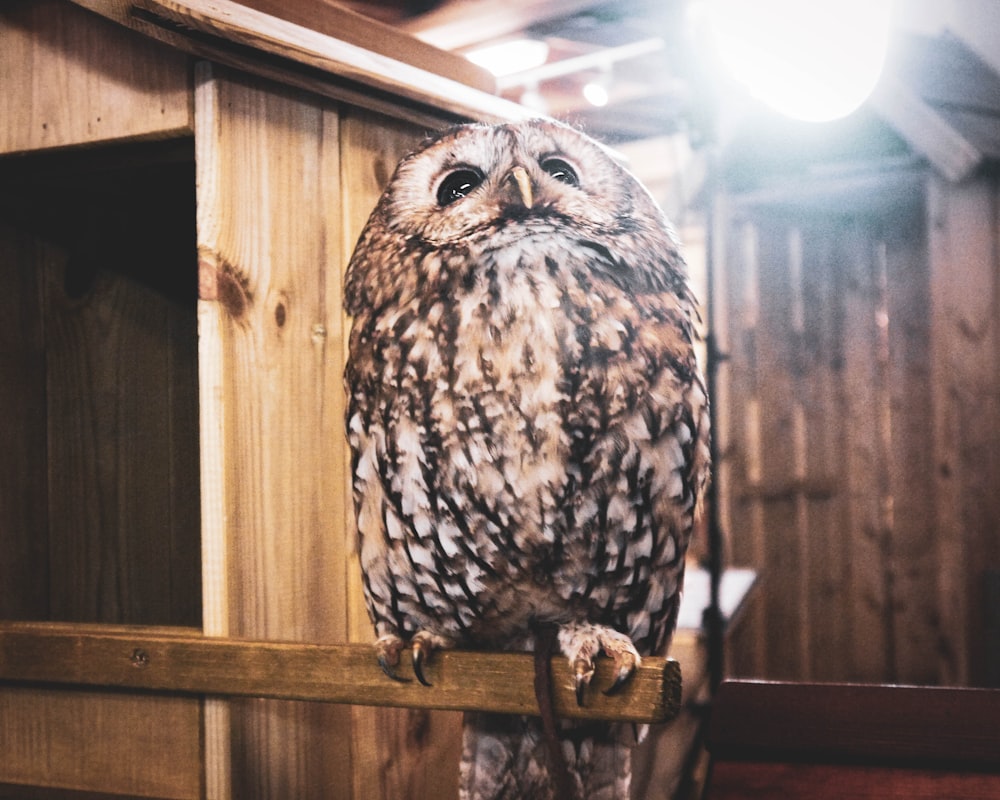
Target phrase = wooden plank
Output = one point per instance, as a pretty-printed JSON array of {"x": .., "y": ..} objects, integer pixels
[
  {"x": 9, "y": 791},
  {"x": 24, "y": 543},
  {"x": 397, "y": 752},
  {"x": 232, "y": 34},
  {"x": 369, "y": 34},
  {"x": 71, "y": 78},
  {"x": 865, "y": 600},
  {"x": 828, "y": 558},
  {"x": 784, "y": 599},
  {"x": 165, "y": 660},
  {"x": 741, "y": 459},
  {"x": 270, "y": 376},
  {"x": 742, "y": 780},
  {"x": 915, "y": 565},
  {"x": 925, "y": 727},
  {"x": 962, "y": 223},
  {"x": 926, "y": 130},
  {"x": 109, "y": 742}
]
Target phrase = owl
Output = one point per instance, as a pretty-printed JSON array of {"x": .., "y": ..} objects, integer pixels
[{"x": 528, "y": 426}]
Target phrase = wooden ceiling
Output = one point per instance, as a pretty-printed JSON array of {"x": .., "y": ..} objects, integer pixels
[
  {"x": 647, "y": 54},
  {"x": 637, "y": 49}
]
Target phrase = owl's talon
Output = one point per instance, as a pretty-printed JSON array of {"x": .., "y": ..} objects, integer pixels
[
  {"x": 581, "y": 642},
  {"x": 422, "y": 645},
  {"x": 583, "y": 671},
  {"x": 420, "y": 649}
]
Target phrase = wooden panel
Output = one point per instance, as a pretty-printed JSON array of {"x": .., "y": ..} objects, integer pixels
[
  {"x": 741, "y": 464},
  {"x": 24, "y": 539},
  {"x": 913, "y": 562},
  {"x": 753, "y": 781},
  {"x": 829, "y": 472},
  {"x": 118, "y": 358},
  {"x": 101, "y": 742},
  {"x": 780, "y": 434},
  {"x": 862, "y": 598},
  {"x": 375, "y": 37},
  {"x": 963, "y": 226},
  {"x": 274, "y": 453},
  {"x": 820, "y": 456},
  {"x": 875, "y": 724},
  {"x": 259, "y": 44},
  {"x": 71, "y": 78},
  {"x": 398, "y": 753}
]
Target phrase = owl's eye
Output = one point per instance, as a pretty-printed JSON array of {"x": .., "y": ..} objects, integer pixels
[
  {"x": 561, "y": 171},
  {"x": 457, "y": 185}
]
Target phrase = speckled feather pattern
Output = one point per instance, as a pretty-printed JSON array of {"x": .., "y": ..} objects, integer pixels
[{"x": 527, "y": 419}]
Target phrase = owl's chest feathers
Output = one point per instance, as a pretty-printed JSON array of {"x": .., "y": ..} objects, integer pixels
[{"x": 513, "y": 328}]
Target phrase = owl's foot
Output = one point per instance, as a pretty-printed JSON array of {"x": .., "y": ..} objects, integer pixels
[
  {"x": 423, "y": 643},
  {"x": 387, "y": 649},
  {"x": 580, "y": 642}
]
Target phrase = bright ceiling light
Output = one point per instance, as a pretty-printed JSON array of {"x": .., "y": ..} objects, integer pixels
[
  {"x": 596, "y": 93},
  {"x": 810, "y": 59},
  {"x": 510, "y": 57}
]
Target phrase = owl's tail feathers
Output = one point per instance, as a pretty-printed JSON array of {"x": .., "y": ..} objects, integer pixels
[{"x": 507, "y": 758}]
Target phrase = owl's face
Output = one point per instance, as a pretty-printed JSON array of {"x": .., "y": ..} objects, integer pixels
[
  {"x": 537, "y": 189},
  {"x": 501, "y": 183}
]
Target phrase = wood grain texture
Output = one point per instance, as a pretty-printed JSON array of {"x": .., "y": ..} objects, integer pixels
[
  {"x": 843, "y": 431},
  {"x": 24, "y": 539},
  {"x": 270, "y": 376},
  {"x": 172, "y": 660},
  {"x": 797, "y": 740},
  {"x": 101, "y": 354},
  {"x": 369, "y": 34},
  {"x": 753, "y": 781},
  {"x": 72, "y": 78},
  {"x": 100, "y": 742},
  {"x": 861, "y": 723},
  {"x": 230, "y": 33},
  {"x": 963, "y": 223}
]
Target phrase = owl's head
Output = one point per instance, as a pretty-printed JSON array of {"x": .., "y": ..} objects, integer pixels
[{"x": 481, "y": 188}]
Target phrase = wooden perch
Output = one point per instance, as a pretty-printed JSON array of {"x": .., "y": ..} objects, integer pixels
[{"x": 182, "y": 660}]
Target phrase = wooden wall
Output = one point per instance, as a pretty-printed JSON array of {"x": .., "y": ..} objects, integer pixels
[
  {"x": 171, "y": 356},
  {"x": 277, "y": 511},
  {"x": 860, "y": 425}
]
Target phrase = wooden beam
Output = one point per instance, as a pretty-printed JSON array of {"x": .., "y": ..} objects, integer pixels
[
  {"x": 927, "y": 132},
  {"x": 187, "y": 662},
  {"x": 455, "y": 25},
  {"x": 245, "y": 38}
]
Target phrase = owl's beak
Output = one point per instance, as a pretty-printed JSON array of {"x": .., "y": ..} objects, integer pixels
[{"x": 522, "y": 183}]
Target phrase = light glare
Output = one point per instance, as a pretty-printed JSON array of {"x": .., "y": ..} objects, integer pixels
[
  {"x": 511, "y": 57},
  {"x": 814, "y": 61},
  {"x": 596, "y": 94}
]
